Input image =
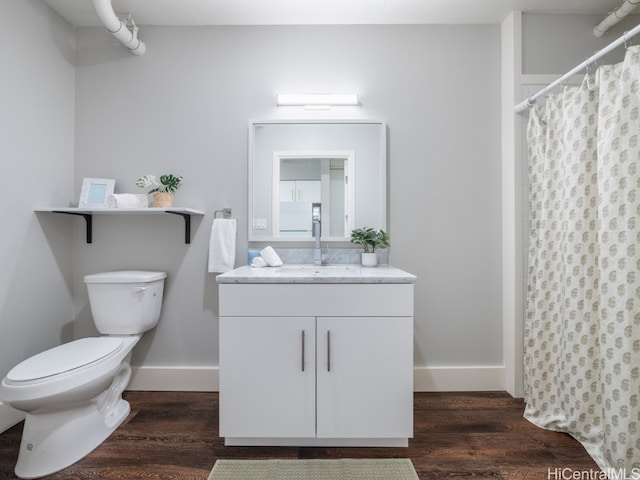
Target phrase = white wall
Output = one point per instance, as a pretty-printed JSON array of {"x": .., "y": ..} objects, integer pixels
[
  {"x": 184, "y": 108},
  {"x": 36, "y": 145},
  {"x": 512, "y": 251}
]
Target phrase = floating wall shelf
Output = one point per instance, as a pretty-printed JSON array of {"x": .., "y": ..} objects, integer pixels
[{"x": 87, "y": 214}]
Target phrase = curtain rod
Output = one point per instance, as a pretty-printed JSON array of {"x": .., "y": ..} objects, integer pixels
[{"x": 525, "y": 104}]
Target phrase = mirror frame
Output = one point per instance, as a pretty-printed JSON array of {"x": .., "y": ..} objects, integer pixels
[{"x": 382, "y": 166}]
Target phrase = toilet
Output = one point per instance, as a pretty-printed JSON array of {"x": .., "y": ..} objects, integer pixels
[{"x": 72, "y": 393}]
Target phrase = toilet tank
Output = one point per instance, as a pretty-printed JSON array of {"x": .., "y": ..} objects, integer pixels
[{"x": 125, "y": 302}]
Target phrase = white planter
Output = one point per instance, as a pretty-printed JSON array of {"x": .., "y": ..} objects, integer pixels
[{"x": 369, "y": 259}]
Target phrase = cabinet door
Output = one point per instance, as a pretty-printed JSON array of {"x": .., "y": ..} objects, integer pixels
[
  {"x": 365, "y": 377},
  {"x": 267, "y": 376},
  {"x": 288, "y": 191},
  {"x": 309, "y": 191}
]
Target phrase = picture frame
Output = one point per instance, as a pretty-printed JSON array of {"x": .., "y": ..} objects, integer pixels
[{"x": 95, "y": 192}]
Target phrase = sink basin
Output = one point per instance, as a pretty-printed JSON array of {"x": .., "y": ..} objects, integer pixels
[{"x": 316, "y": 270}]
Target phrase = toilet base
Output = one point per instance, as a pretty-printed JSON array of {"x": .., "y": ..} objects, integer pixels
[{"x": 53, "y": 441}]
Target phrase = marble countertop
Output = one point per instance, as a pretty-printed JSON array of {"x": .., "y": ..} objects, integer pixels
[{"x": 345, "y": 273}]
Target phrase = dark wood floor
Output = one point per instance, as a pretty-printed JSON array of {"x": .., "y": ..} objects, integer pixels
[{"x": 174, "y": 435}]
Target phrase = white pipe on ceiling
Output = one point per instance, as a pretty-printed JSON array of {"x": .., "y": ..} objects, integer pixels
[
  {"x": 614, "y": 17},
  {"x": 118, "y": 28}
]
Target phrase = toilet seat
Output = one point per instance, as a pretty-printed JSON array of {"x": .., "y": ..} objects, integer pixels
[{"x": 64, "y": 359}]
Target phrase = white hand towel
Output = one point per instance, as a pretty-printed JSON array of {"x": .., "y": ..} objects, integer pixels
[
  {"x": 127, "y": 200},
  {"x": 259, "y": 262},
  {"x": 271, "y": 257},
  {"x": 222, "y": 245}
]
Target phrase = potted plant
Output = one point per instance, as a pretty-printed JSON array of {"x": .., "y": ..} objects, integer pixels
[
  {"x": 370, "y": 239},
  {"x": 162, "y": 190}
]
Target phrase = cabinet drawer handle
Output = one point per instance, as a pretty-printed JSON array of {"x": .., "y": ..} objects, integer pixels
[
  {"x": 302, "y": 364},
  {"x": 328, "y": 351}
]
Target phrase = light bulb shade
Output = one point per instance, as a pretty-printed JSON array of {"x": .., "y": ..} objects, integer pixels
[{"x": 317, "y": 99}]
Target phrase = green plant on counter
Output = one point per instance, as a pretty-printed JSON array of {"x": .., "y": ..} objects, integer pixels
[
  {"x": 370, "y": 239},
  {"x": 168, "y": 183}
]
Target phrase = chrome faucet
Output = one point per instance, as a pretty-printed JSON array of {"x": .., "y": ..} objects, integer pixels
[{"x": 317, "y": 232}]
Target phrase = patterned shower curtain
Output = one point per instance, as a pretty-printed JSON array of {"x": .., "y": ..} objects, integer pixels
[{"x": 582, "y": 331}]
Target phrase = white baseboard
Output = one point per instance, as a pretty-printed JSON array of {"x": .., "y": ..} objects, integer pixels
[
  {"x": 206, "y": 379},
  {"x": 9, "y": 417},
  {"x": 425, "y": 379},
  {"x": 185, "y": 379},
  {"x": 458, "y": 379}
]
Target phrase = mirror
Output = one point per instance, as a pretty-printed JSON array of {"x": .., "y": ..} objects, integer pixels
[{"x": 296, "y": 166}]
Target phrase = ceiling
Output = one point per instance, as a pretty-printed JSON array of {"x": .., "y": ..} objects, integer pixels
[{"x": 81, "y": 13}]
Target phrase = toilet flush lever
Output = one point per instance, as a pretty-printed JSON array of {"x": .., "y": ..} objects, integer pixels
[{"x": 138, "y": 289}]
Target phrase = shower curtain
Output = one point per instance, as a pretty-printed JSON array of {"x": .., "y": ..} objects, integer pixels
[{"x": 582, "y": 330}]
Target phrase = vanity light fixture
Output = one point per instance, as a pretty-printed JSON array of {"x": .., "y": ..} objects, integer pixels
[{"x": 317, "y": 100}]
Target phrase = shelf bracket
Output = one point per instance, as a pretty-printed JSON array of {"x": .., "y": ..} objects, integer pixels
[
  {"x": 88, "y": 219},
  {"x": 187, "y": 224}
]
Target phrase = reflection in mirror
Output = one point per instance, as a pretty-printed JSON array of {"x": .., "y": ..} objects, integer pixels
[
  {"x": 305, "y": 179},
  {"x": 339, "y": 166}
]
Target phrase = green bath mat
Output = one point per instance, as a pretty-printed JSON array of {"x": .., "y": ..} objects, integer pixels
[{"x": 343, "y": 469}]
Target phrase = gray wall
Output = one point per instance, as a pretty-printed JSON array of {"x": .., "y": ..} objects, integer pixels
[
  {"x": 36, "y": 142},
  {"x": 554, "y": 44},
  {"x": 184, "y": 108}
]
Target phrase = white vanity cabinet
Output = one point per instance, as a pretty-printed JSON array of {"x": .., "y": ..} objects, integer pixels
[{"x": 316, "y": 363}]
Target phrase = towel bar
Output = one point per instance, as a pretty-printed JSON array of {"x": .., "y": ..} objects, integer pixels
[{"x": 226, "y": 213}]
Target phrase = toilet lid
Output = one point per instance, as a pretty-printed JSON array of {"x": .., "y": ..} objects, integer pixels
[{"x": 64, "y": 358}]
